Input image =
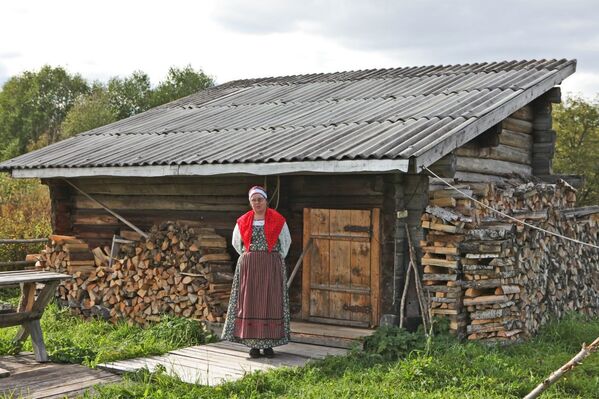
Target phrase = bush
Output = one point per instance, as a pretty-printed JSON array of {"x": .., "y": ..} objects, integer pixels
[
  {"x": 393, "y": 343},
  {"x": 24, "y": 213}
]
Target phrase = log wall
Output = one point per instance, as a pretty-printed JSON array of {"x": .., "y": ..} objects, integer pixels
[
  {"x": 521, "y": 145},
  {"x": 504, "y": 150},
  {"x": 218, "y": 201}
]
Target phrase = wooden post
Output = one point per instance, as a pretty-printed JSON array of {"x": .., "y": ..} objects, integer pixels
[
  {"x": 416, "y": 201},
  {"x": 37, "y": 340},
  {"x": 306, "y": 268},
  {"x": 393, "y": 251},
  {"x": 45, "y": 296}
]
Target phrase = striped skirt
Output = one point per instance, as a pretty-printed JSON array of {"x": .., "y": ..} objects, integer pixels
[{"x": 259, "y": 312}]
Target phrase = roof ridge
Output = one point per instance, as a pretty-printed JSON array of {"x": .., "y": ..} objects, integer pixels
[{"x": 448, "y": 69}]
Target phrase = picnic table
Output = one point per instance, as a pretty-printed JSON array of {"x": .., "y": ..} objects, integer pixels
[{"x": 30, "y": 309}]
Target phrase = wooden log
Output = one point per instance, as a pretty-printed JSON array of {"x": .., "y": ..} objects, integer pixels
[
  {"x": 443, "y": 202},
  {"x": 491, "y": 166},
  {"x": 500, "y": 152},
  {"x": 485, "y": 300},
  {"x": 523, "y": 141},
  {"x": 518, "y": 125},
  {"x": 441, "y": 250},
  {"x": 453, "y": 264},
  {"x": 445, "y": 167},
  {"x": 524, "y": 113},
  {"x": 440, "y": 227}
]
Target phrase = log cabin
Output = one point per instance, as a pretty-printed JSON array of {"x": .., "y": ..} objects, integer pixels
[{"x": 346, "y": 157}]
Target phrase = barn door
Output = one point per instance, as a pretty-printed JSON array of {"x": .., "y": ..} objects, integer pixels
[{"x": 340, "y": 278}]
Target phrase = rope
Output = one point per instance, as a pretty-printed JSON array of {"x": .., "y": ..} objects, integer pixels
[
  {"x": 276, "y": 193},
  {"x": 508, "y": 216}
]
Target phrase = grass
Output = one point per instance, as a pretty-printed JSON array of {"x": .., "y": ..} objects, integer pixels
[
  {"x": 441, "y": 368},
  {"x": 395, "y": 364},
  {"x": 70, "y": 339}
]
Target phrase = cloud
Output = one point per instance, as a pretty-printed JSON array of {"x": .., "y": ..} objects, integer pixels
[
  {"x": 433, "y": 32},
  {"x": 9, "y": 54}
]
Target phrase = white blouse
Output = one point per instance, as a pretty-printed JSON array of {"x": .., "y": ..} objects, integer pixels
[{"x": 284, "y": 238}]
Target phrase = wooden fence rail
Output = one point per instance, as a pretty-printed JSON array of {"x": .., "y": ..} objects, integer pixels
[{"x": 19, "y": 264}]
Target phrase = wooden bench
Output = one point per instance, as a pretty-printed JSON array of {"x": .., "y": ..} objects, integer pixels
[{"x": 30, "y": 309}]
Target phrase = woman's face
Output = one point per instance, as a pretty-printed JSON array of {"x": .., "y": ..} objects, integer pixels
[{"x": 258, "y": 203}]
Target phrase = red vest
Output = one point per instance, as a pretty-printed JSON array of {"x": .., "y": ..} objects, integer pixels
[{"x": 273, "y": 224}]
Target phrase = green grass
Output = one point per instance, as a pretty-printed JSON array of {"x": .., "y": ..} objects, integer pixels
[
  {"x": 441, "y": 368},
  {"x": 70, "y": 339},
  {"x": 395, "y": 364}
]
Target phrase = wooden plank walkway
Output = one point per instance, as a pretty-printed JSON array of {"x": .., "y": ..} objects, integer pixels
[
  {"x": 215, "y": 363},
  {"x": 30, "y": 379}
]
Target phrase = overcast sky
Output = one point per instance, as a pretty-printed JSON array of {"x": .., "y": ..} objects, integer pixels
[{"x": 233, "y": 39}]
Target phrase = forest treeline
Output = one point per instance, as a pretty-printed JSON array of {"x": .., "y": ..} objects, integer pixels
[{"x": 41, "y": 107}]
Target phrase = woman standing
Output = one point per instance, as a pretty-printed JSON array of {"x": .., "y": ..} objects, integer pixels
[{"x": 258, "y": 313}]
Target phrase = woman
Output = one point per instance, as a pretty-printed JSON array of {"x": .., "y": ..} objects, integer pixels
[{"x": 258, "y": 314}]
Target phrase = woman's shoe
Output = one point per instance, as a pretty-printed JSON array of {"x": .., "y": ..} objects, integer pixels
[
  {"x": 255, "y": 352},
  {"x": 268, "y": 352}
]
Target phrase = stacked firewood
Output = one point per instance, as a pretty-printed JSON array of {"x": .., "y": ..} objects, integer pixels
[
  {"x": 177, "y": 270},
  {"x": 512, "y": 277},
  {"x": 491, "y": 293},
  {"x": 66, "y": 254},
  {"x": 442, "y": 265}
]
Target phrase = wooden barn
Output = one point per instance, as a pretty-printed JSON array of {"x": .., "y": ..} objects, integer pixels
[{"x": 343, "y": 156}]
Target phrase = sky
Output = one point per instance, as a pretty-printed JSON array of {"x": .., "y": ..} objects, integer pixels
[{"x": 234, "y": 39}]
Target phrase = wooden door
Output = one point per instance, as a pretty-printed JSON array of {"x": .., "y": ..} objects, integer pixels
[{"x": 340, "y": 278}]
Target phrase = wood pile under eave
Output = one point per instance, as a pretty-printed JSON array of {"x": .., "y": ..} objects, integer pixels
[
  {"x": 498, "y": 278},
  {"x": 176, "y": 270}
]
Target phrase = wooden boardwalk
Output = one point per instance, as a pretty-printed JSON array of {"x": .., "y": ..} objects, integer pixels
[
  {"x": 215, "y": 363},
  {"x": 30, "y": 379}
]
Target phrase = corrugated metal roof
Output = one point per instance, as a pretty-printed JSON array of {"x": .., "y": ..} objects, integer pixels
[{"x": 373, "y": 114}]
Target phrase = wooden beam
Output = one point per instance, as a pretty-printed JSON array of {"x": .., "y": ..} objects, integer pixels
[{"x": 18, "y": 318}]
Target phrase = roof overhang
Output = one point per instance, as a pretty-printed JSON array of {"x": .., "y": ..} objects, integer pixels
[{"x": 259, "y": 169}]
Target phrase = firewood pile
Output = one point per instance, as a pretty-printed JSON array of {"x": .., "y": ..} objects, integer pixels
[
  {"x": 176, "y": 270},
  {"x": 498, "y": 280}
]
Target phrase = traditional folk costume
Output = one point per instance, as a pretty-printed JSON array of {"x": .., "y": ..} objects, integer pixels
[{"x": 258, "y": 313}]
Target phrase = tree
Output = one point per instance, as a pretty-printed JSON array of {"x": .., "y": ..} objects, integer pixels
[
  {"x": 33, "y": 105},
  {"x": 38, "y": 108},
  {"x": 577, "y": 151},
  {"x": 131, "y": 95},
  {"x": 180, "y": 83},
  {"x": 89, "y": 112}
]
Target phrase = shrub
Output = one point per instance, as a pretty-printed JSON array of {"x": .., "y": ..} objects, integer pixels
[{"x": 24, "y": 213}]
